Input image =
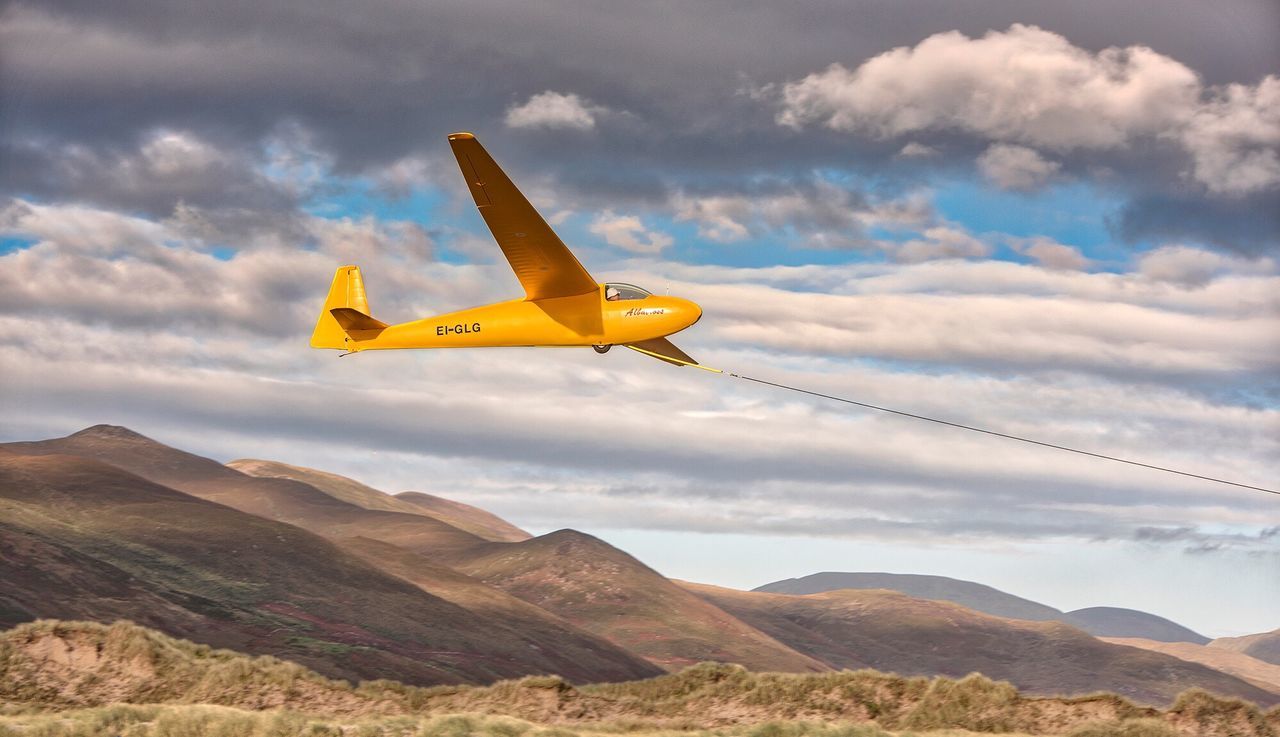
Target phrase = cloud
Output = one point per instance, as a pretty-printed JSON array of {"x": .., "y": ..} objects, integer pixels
[
  {"x": 1196, "y": 267},
  {"x": 938, "y": 242},
  {"x": 1234, "y": 139},
  {"x": 628, "y": 233},
  {"x": 99, "y": 266},
  {"x": 915, "y": 149},
  {"x": 1016, "y": 167},
  {"x": 553, "y": 110},
  {"x": 816, "y": 213},
  {"x": 1052, "y": 255},
  {"x": 153, "y": 174},
  {"x": 1029, "y": 87}
]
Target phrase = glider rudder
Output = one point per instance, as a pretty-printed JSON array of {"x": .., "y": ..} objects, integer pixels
[{"x": 345, "y": 309}]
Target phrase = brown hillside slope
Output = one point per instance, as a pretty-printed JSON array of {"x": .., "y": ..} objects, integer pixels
[
  {"x": 462, "y": 516},
  {"x": 605, "y": 591},
  {"x": 893, "y": 632},
  {"x": 85, "y": 539},
  {"x": 538, "y": 625},
  {"x": 1258, "y": 672},
  {"x": 281, "y": 499},
  {"x": 1264, "y": 646},
  {"x": 74, "y": 664}
]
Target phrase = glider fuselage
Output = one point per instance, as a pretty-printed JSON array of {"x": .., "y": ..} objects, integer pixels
[
  {"x": 563, "y": 304},
  {"x": 582, "y": 320}
]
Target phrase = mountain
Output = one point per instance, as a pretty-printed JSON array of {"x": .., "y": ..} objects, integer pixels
[
  {"x": 607, "y": 592},
  {"x": 1264, "y": 646},
  {"x": 84, "y": 539},
  {"x": 1107, "y": 621},
  {"x": 968, "y": 594},
  {"x": 1097, "y": 621},
  {"x": 889, "y": 631},
  {"x": 1260, "y": 673},
  {"x": 281, "y": 499},
  {"x": 462, "y": 516}
]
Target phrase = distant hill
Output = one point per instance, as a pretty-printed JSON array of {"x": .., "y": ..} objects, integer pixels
[
  {"x": 892, "y": 632},
  {"x": 84, "y": 539},
  {"x": 975, "y": 596},
  {"x": 123, "y": 664},
  {"x": 1264, "y": 646},
  {"x": 1107, "y": 621},
  {"x": 1097, "y": 621},
  {"x": 465, "y": 517},
  {"x": 606, "y": 591}
]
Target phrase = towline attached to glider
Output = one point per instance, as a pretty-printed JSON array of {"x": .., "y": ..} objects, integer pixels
[{"x": 562, "y": 306}]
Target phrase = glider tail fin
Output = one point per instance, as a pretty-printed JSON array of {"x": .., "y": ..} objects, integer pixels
[{"x": 346, "y": 310}]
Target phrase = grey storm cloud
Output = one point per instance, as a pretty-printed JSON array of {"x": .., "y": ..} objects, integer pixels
[{"x": 84, "y": 86}]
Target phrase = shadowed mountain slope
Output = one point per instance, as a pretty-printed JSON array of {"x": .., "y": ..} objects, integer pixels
[
  {"x": 1264, "y": 646},
  {"x": 282, "y": 499},
  {"x": 890, "y": 631},
  {"x": 605, "y": 591},
  {"x": 1097, "y": 621},
  {"x": 85, "y": 539},
  {"x": 476, "y": 521},
  {"x": 1108, "y": 621}
]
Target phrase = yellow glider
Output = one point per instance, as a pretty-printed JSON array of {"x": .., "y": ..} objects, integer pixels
[{"x": 563, "y": 305}]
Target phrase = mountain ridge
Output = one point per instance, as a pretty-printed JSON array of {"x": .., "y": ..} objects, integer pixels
[{"x": 1099, "y": 621}]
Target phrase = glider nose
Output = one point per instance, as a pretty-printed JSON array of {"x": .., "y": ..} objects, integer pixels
[{"x": 690, "y": 311}]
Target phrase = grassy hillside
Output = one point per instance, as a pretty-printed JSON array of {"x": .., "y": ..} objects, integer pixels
[
  {"x": 464, "y": 516},
  {"x": 1258, "y": 672},
  {"x": 478, "y": 522},
  {"x": 605, "y": 591},
  {"x": 975, "y": 596},
  {"x": 281, "y": 499},
  {"x": 1264, "y": 646},
  {"x": 889, "y": 631},
  {"x": 88, "y": 540},
  {"x": 95, "y": 672}
]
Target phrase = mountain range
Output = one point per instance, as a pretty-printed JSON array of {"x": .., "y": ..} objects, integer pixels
[
  {"x": 267, "y": 558},
  {"x": 1099, "y": 621}
]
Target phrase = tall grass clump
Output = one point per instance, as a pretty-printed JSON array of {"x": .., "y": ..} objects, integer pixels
[
  {"x": 1210, "y": 713},
  {"x": 974, "y": 702}
]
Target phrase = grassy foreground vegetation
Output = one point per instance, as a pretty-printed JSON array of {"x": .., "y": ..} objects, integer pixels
[{"x": 76, "y": 678}]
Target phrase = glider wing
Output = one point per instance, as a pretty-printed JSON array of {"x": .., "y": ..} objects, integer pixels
[
  {"x": 543, "y": 264},
  {"x": 664, "y": 350}
]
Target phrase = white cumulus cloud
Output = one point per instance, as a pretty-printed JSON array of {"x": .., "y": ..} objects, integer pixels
[
  {"x": 1030, "y": 87},
  {"x": 1016, "y": 167},
  {"x": 628, "y": 232},
  {"x": 553, "y": 110}
]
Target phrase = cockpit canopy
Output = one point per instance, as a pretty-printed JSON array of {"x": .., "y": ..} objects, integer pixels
[{"x": 617, "y": 291}]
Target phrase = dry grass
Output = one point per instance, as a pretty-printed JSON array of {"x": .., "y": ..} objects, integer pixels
[{"x": 69, "y": 678}]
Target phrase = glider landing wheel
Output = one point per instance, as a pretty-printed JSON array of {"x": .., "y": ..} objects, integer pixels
[{"x": 601, "y": 348}]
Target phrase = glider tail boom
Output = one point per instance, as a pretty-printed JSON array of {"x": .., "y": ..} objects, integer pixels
[{"x": 345, "y": 311}]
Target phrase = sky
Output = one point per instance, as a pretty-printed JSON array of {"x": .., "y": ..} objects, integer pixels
[{"x": 1059, "y": 220}]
